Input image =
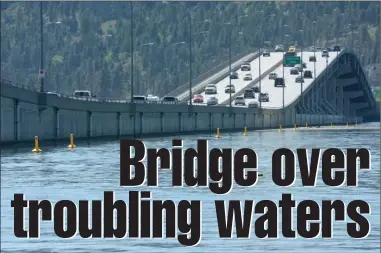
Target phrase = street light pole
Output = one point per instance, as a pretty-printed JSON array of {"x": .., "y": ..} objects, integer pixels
[
  {"x": 301, "y": 62},
  {"x": 259, "y": 71},
  {"x": 42, "y": 72},
  {"x": 190, "y": 57},
  {"x": 132, "y": 54},
  {"x": 132, "y": 67},
  {"x": 230, "y": 66},
  {"x": 284, "y": 83}
]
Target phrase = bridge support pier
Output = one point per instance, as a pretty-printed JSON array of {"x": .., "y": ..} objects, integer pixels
[
  {"x": 89, "y": 124},
  {"x": 56, "y": 122}
]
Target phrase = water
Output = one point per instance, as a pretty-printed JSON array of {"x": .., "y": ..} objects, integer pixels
[{"x": 86, "y": 172}]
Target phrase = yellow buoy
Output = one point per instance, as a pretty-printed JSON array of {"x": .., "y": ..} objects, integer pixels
[
  {"x": 71, "y": 145},
  {"x": 331, "y": 125},
  {"x": 245, "y": 132},
  {"x": 218, "y": 136},
  {"x": 36, "y": 147},
  {"x": 306, "y": 124},
  {"x": 280, "y": 128},
  {"x": 294, "y": 127},
  {"x": 356, "y": 124}
]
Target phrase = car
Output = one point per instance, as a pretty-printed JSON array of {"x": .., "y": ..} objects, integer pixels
[
  {"x": 245, "y": 67},
  {"x": 253, "y": 104},
  {"x": 292, "y": 49},
  {"x": 153, "y": 99},
  {"x": 312, "y": 58},
  {"x": 294, "y": 71},
  {"x": 233, "y": 75},
  {"x": 290, "y": 54},
  {"x": 52, "y": 93},
  {"x": 279, "y": 82},
  {"x": 299, "y": 79},
  {"x": 230, "y": 88},
  {"x": 324, "y": 53},
  {"x": 299, "y": 67},
  {"x": 329, "y": 49},
  {"x": 211, "y": 89},
  {"x": 318, "y": 48},
  {"x": 83, "y": 94},
  {"x": 304, "y": 65},
  {"x": 279, "y": 48},
  {"x": 336, "y": 48},
  {"x": 198, "y": 98},
  {"x": 266, "y": 53},
  {"x": 272, "y": 76},
  {"x": 248, "y": 77},
  {"x": 308, "y": 74},
  {"x": 313, "y": 49},
  {"x": 170, "y": 100},
  {"x": 263, "y": 97},
  {"x": 212, "y": 101},
  {"x": 255, "y": 88},
  {"x": 239, "y": 101},
  {"x": 139, "y": 99},
  {"x": 249, "y": 93}
]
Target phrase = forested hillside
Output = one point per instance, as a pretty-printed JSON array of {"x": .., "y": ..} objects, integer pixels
[{"x": 88, "y": 44}]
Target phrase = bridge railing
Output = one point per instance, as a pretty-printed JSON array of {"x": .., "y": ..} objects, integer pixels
[{"x": 19, "y": 85}]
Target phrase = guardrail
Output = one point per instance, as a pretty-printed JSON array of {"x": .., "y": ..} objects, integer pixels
[
  {"x": 195, "y": 81},
  {"x": 18, "y": 85}
]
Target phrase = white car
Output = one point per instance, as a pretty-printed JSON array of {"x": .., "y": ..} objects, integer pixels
[
  {"x": 246, "y": 67},
  {"x": 324, "y": 53},
  {"x": 279, "y": 48},
  {"x": 212, "y": 101},
  {"x": 211, "y": 89},
  {"x": 230, "y": 89},
  {"x": 153, "y": 99},
  {"x": 273, "y": 76},
  {"x": 247, "y": 77},
  {"x": 239, "y": 101}
]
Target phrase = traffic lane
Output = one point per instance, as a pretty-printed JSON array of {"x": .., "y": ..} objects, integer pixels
[
  {"x": 222, "y": 84},
  {"x": 240, "y": 84},
  {"x": 266, "y": 63},
  {"x": 292, "y": 89}
]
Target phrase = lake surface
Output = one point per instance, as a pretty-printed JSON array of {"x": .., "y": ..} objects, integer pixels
[{"x": 92, "y": 168}]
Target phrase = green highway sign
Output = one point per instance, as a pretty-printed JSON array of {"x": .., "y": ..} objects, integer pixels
[{"x": 291, "y": 60}]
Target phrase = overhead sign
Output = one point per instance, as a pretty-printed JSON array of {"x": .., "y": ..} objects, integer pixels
[{"x": 291, "y": 60}]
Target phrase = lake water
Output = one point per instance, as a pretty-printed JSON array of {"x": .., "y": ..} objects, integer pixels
[{"x": 92, "y": 168}]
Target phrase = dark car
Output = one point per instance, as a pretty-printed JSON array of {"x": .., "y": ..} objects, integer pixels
[
  {"x": 329, "y": 49},
  {"x": 266, "y": 54},
  {"x": 263, "y": 97},
  {"x": 279, "y": 82},
  {"x": 249, "y": 93},
  {"x": 308, "y": 74},
  {"x": 336, "y": 48},
  {"x": 294, "y": 71},
  {"x": 290, "y": 53},
  {"x": 233, "y": 75},
  {"x": 255, "y": 88},
  {"x": 299, "y": 79},
  {"x": 313, "y": 58},
  {"x": 170, "y": 100}
]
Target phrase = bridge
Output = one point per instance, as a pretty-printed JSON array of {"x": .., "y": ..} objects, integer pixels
[{"x": 338, "y": 93}]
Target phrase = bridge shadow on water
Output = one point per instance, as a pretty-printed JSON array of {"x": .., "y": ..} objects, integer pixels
[{"x": 229, "y": 136}]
